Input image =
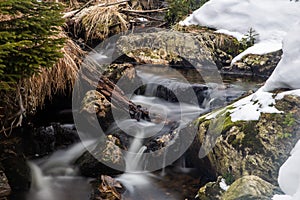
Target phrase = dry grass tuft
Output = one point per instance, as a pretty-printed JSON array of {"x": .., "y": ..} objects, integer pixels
[
  {"x": 59, "y": 78},
  {"x": 34, "y": 90},
  {"x": 100, "y": 22}
]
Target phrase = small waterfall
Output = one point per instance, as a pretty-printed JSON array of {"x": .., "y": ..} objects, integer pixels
[
  {"x": 52, "y": 177},
  {"x": 39, "y": 181},
  {"x": 163, "y": 171},
  {"x": 59, "y": 163},
  {"x": 134, "y": 162}
]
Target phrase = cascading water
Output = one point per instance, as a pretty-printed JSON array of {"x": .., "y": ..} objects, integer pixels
[
  {"x": 139, "y": 183},
  {"x": 55, "y": 178}
]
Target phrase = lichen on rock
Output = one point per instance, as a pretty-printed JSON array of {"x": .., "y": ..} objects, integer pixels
[
  {"x": 250, "y": 187},
  {"x": 255, "y": 65},
  {"x": 254, "y": 147}
]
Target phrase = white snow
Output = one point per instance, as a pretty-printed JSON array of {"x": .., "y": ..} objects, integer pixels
[
  {"x": 141, "y": 19},
  {"x": 260, "y": 48},
  {"x": 286, "y": 74},
  {"x": 289, "y": 176},
  {"x": 277, "y": 23},
  {"x": 250, "y": 108},
  {"x": 235, "y": 34},
  {"x": 290, "y": 92},
  {"x": 223, "y": 185},
  {"x": 271, "y": 19}
]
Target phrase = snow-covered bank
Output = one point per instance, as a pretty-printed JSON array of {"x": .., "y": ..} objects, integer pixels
[
  {"x": 271, "y": 19},
  {"x": 289, "y": 176},
  {"x": 277, "y": 23},
  {"x": 286, "y": 74}
]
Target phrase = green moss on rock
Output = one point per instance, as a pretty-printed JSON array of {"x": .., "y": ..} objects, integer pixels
[
  {"x": 252, "y": 147},
  {"x": 249, "y": 187}
]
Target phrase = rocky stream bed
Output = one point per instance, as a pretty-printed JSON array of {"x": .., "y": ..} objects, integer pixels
[{"x": 45, "y": 161}]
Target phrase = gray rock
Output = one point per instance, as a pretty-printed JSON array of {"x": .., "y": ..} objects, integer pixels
[
  {"x": 211, "y": 191},
  {"x": 253, "y": 147},
  {"x": 91, "y": 164},
  {"x": 249, "y": 187},
  {"x": 157, "y": 46},
  {"x": 256, "y": 65}
]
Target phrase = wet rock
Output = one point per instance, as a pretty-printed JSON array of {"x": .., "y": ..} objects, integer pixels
[
  {"x": 183, "y": 93},
  {"x": 211, "y": 191},
  {"x": 109, "y": 189},
  {"x": 46, "y": 139},
  {"x": 252, "y": 147},
  {"x": 105, "y": 154},
  {"x": 124, "y": 70},
  {"x": 255, "y": 65},
  {"x": 65, "y": 134},
  {"x": 156, "y": 46},
  {"x": 14, "y": 164},
  {"x": 222, "y": 47},
  {"x": 250, "y": 187},
  {"x": 4, "y": 186},
  {"x": 97, "y": 103},
  {"x": 17, "y": 172}
]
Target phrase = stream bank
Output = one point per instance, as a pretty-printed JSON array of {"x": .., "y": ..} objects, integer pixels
[{"x": 218, "y": 48}]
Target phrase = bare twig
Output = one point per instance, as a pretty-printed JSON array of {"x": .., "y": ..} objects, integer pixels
[
  {"x": 147, "y": 17},
  {"x": 144, "y": 11},
  {"x": 113, "y": 3},
  {"x": 75, "y": 12},
  {"x": 84, "y": 6}
]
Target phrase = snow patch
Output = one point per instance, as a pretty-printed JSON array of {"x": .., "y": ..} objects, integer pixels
[
  {"x": 289, "y": 176},
  {"x": 259, "y": 49},
  {"x": 271, "y": 19},
  {"x": 235, "y": 34},
  {"x": 291, "y": 92},
  {"x": 250, "y": 108},
  {"x": 223, "y": 185},
  {"x": 286, "y": 74}
]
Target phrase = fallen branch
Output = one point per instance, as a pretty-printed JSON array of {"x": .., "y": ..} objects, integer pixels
[
  {"x": 75, "y": 12},
  {"x": 114, "y": 3},
  {"x": 147, "y": 17},
  {"x": 145, "y": 11},
  {"x": 84, "y": 6}
]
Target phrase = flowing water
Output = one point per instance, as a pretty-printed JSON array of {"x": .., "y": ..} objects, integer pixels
[{"x": 56, "y": 178}]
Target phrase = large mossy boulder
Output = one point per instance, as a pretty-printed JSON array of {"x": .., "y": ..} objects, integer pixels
[
  {"x": 159, "y": 46},
  {"x": 252, "y": 147},
  {"x": 250, "y": 188},
  {"x": 255, "y": 65},
  {"x": 223, "y": 47}
]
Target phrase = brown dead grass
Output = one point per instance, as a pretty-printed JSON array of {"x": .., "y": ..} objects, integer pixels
[
  {"x": 59, "y": 78},
  {"x": 101, "y": 22},
  {"x": 37, "y": 88}
]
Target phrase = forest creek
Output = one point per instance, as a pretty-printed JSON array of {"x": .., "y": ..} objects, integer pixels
[{"x": 144, "y": 114}]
